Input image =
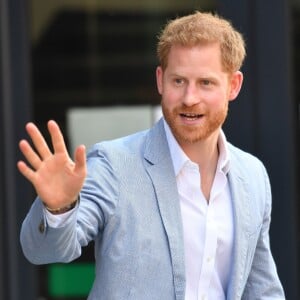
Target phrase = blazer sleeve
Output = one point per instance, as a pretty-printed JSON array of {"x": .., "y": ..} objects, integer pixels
[
  {"x": 263, "y": 282},
  {"x": 42, "y": 244}
]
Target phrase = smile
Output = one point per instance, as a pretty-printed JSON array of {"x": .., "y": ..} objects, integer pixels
[{"x": 191, "y": 116}]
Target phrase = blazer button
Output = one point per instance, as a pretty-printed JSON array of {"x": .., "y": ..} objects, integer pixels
[{"x": 42, "y": 227}]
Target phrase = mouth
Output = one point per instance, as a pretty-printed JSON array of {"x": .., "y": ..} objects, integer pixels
[{"x": 191, "y": 116}]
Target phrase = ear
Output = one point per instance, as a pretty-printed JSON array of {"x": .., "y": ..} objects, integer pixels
[
  {"x": 159, "y": 79},
  {"x": 235, "y": 84}
]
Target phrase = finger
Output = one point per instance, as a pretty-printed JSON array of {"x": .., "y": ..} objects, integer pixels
[
  {"x": 57, "y": 138},
  {"x": 26, "y": 171},
  {"x": 80, "y": 160},
  {"x": 31, "y": 156},
  {"x": 38, "y": 141}
]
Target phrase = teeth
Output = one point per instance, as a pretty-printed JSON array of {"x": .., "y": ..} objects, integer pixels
[{"x": 193, "y": 116}]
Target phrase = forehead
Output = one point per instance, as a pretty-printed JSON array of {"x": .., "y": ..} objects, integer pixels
[{"x": 196, "y": 57}]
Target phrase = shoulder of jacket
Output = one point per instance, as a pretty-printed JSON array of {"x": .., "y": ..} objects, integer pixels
[
  {"x": 245, "y": 162},
  {"x": 128, "y": 144}
]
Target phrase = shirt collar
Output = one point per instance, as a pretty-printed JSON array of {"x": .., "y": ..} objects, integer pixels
[{"x": 179, "y": 158}]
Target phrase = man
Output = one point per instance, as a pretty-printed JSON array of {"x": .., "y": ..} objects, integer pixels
[{"x": 176, "y": 212}]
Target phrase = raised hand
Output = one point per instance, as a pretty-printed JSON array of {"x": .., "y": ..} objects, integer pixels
[{"x": 56, "y": 178}]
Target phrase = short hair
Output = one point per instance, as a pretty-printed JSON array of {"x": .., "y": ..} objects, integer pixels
[{"x": 199, "y": 28}]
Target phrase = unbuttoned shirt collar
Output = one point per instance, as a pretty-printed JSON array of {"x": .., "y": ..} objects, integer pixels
[{"x": 179, "y": 158}]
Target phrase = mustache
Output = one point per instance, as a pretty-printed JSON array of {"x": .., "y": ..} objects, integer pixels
[{"x": 190, "y": 110}]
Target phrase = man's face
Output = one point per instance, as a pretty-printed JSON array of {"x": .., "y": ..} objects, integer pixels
[{"x": 195, "y": 91}]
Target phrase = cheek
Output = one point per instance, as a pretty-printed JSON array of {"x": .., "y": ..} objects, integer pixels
[
  {"x": 217, "y": 99},
  {"x": 171, "y": 97}
]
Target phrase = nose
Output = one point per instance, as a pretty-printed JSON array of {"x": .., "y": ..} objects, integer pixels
[{"x": 191, "y": 95}]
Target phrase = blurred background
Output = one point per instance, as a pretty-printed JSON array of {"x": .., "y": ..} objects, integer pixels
[{"x": 90, "y": 65}]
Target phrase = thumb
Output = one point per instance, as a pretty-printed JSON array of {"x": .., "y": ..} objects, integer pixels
[{"x": 80, "y": 160}]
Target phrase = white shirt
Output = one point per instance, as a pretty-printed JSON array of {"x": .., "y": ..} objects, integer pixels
[{"x": 207, "y": 228}]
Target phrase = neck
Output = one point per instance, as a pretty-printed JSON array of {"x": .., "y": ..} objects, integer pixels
[{"x": 204, "y": 153}]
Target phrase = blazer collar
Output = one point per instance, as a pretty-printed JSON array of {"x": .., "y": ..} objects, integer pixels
[
  {"x": 160, "y": 169},
  {"x": 242, "y": 220}
]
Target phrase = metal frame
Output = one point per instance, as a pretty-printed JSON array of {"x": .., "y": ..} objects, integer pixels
[{"x": 16, "y": 274}]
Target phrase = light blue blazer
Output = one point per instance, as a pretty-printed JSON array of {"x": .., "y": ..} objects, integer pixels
[{"x": 130, "y": 207}]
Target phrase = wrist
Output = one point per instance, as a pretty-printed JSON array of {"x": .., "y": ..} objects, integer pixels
[{"x": 64, "y": 209}]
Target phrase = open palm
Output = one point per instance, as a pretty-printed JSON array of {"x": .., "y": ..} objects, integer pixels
[{"x": 56, "y": 178}]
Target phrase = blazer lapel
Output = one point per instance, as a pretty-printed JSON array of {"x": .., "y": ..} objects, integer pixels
[
  {"x": 160, "y": 169},
  {"x": 242, "y": 219}
]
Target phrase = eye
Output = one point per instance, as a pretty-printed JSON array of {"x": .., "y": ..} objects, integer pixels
[
  {"x": 178, "y": 81},
  {"x": 206, "y": 82}
]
